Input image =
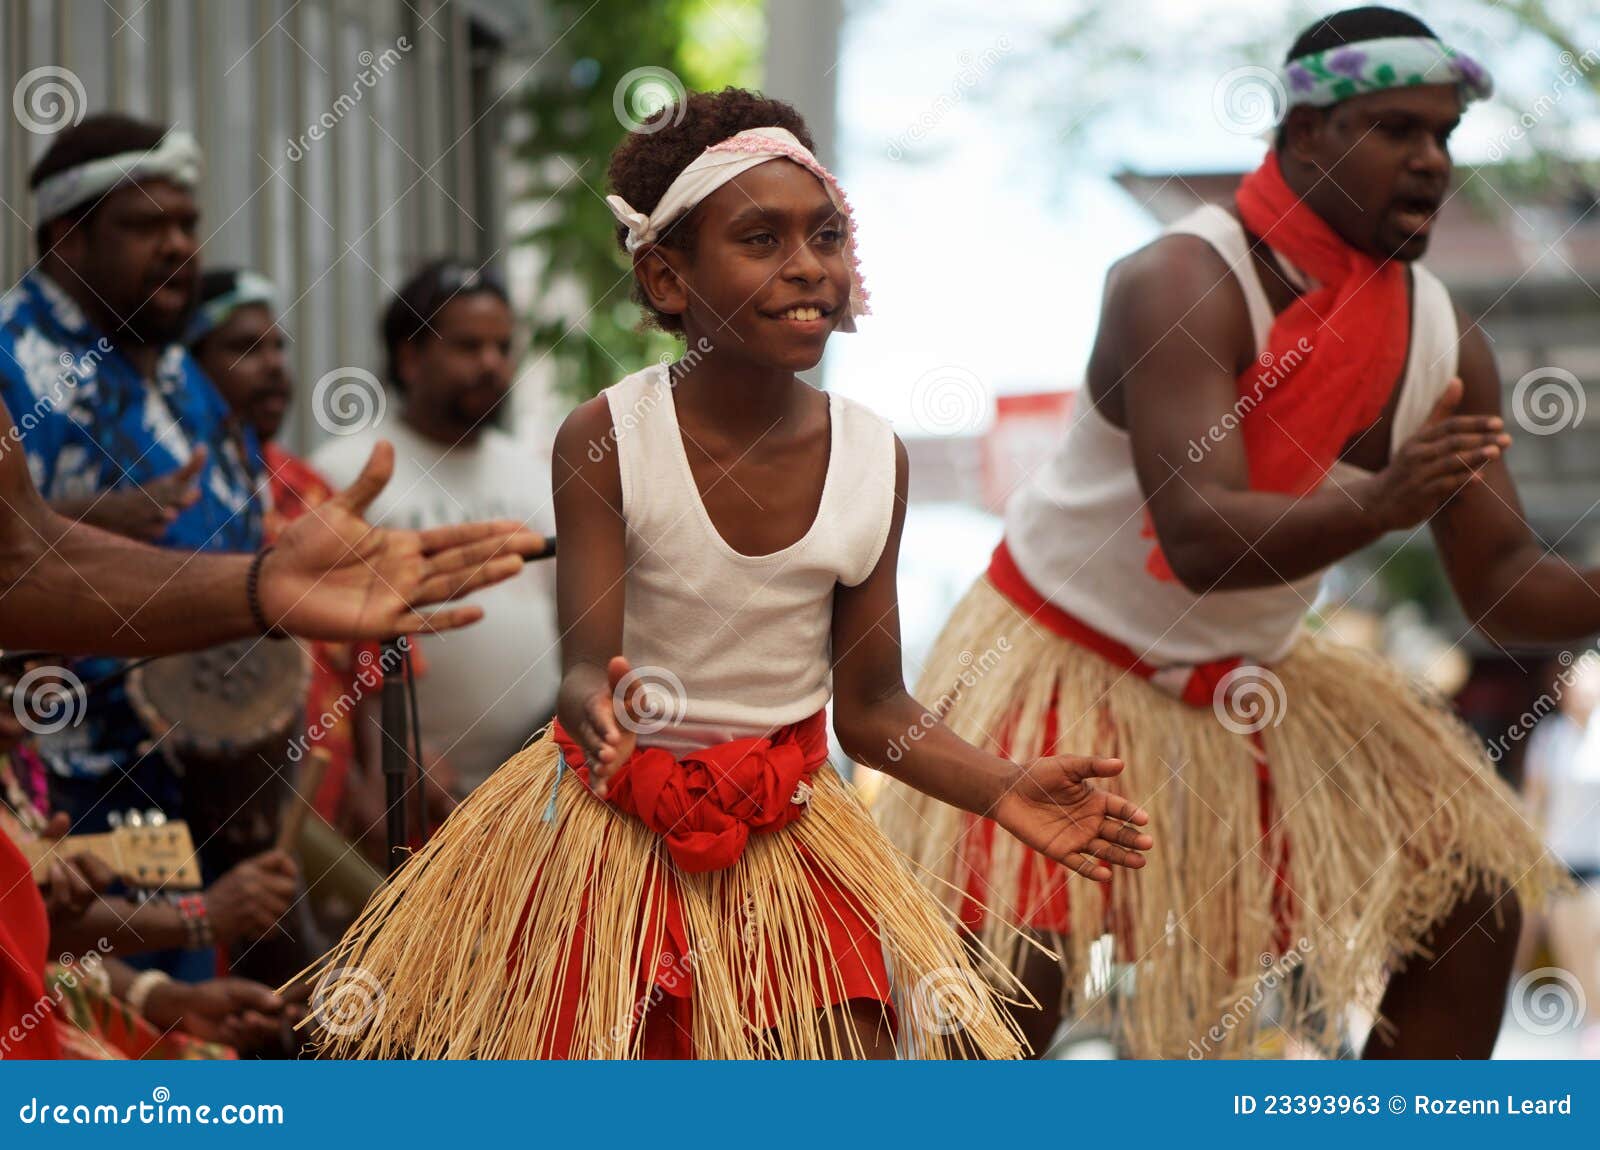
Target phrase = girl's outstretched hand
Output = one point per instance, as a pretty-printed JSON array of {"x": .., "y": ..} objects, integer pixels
[
  {"x": 611, "y": 720},
  {"x": 1054, "y": 808}
]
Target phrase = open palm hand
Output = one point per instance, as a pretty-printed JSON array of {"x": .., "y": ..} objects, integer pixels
[
  {"x": 333, "y": 575},
  {"x": 1055, "y": 808}
]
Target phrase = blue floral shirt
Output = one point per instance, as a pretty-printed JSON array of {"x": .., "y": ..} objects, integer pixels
[{"x": 90, "y": 422}]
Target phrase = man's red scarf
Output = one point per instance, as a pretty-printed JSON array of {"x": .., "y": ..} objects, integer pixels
[{"x": 1299, "y": 408}]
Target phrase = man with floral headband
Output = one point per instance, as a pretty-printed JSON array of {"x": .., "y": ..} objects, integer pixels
[{"x": 1276, "y": 384}]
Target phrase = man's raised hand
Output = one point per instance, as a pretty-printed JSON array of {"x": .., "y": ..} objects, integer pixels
[
  {"x": 1446, "y": 454},
  {"x": 332, "y": 575}
]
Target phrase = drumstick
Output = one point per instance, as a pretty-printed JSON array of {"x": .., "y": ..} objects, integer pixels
[{"x": 294, "y": 819}]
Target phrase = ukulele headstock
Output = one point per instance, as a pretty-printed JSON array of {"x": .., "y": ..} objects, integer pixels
[{"x": 159, "y": 855}]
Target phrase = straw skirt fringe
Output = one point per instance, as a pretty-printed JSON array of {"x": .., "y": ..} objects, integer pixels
[
  {"x": 1384, "y": 813},
  {"x": 427, "y": 964}
]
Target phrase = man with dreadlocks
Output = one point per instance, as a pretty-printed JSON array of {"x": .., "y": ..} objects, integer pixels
[{"x": 1276, "y": 384}]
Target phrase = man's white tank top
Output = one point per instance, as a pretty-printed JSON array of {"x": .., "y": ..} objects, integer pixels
[
  {"x": 733, "y": 645},
  {"x": 1076, "y": 529}
]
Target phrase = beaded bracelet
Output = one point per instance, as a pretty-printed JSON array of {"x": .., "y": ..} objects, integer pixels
[{"x": 252, "y": 590}]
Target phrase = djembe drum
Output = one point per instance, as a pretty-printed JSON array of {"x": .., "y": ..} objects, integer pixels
[{"x": 224, "y": 718}]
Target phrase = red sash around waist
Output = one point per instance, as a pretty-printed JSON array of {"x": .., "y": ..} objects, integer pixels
[
  {"x": 1195, "y": 685},
  {"x": 708, "y": 803}
]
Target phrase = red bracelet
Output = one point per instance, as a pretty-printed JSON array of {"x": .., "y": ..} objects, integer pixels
[{"x": 196, "y": 921}]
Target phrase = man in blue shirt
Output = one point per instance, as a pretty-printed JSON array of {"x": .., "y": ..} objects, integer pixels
[{"x": 120, "y": 427}]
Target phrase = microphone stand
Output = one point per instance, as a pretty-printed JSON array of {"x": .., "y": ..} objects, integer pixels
[
  {"x": 396, "y": 747},
  {"x": 397, "y": 734}
]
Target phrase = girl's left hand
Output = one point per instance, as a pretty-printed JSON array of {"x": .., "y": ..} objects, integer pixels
[
  {"x": 1053, "y": 808},
  {"x": 607, "y": 733}
]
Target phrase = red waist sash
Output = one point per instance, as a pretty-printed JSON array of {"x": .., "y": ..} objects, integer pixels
[
  {"x": 708, "y": 803},
  {"x": 1195, "y": 685}
]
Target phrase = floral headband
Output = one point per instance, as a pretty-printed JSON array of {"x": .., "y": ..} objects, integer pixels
[
  {"x": 722, "y": 162},
  {"x": 1335, "y": 74}
]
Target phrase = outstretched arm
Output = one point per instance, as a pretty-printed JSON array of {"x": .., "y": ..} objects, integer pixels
[
  {"x": 1509, "y": 584},
  {"x": 69, "y": 587},
  {"x": 1048, "y": 804},
  {"x": 1174, "y": 327}
]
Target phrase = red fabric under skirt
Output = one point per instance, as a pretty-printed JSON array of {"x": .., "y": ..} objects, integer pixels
[
  {"x": 1042, "y": 901},
  {"x": 666, "y": 989}
]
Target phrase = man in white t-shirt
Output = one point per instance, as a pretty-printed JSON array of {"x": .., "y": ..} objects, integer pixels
[{"x": 449, "y": 335}]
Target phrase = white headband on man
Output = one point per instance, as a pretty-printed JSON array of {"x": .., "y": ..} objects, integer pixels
[
  {"x": 722, "y": 162},
  {"x": 175, "y": 158},
  {"x": 249, "y": 288}
]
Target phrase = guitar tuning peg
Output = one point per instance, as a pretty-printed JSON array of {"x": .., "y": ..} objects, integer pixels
[
  {"x": 155, "y": 818},
  {"x": 114, "y": 820},
  {"x": 135, "y": 819}
]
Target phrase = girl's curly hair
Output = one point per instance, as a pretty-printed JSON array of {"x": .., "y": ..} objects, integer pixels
[{"x": 649, "y": 159}]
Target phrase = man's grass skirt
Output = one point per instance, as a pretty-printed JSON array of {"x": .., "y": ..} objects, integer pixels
[
  {"x": 1303, "y": 860},
  {"x": 513, "y": 936}
]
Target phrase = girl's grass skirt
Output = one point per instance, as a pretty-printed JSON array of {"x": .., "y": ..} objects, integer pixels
[
  {"x": 1302, "y": 861},
  {"x": 509, "y": 936}
]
